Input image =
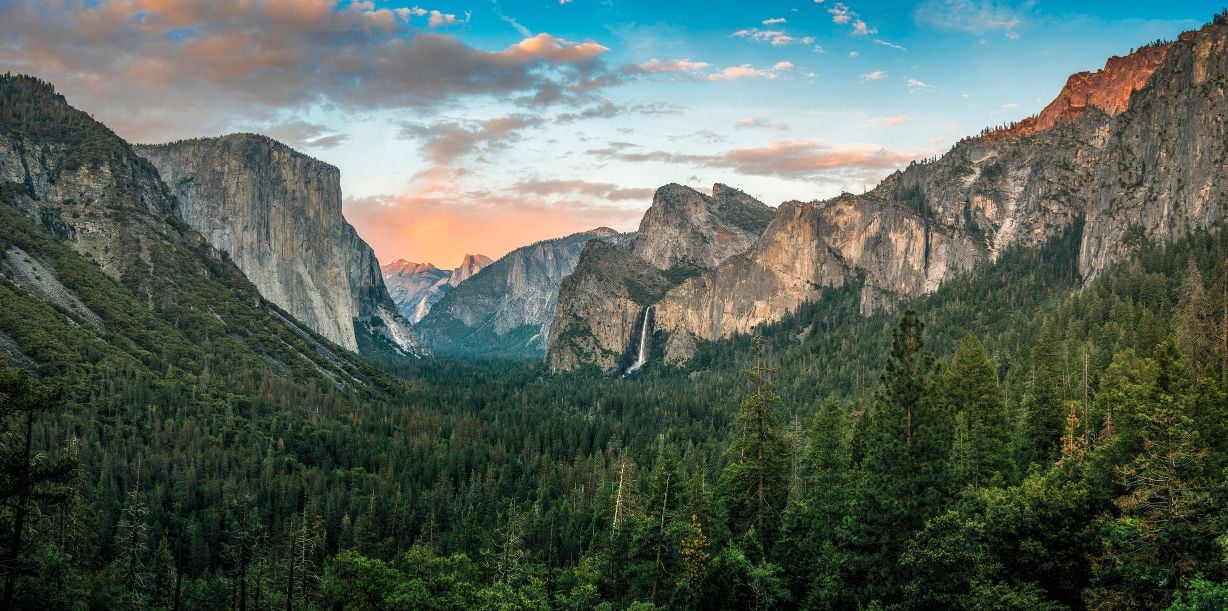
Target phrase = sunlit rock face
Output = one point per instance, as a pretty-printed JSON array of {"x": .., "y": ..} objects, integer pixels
[
  {"x": 682, "y": 234},
  {"x": 601, "y": 307},
  {"x": 506, "y": 309},
  {"x": 684, "y": 227},
  {"x": 416, "y": 287},
  {"x": 277, "y": 214},
  {"x": 1136, "y": 148}
]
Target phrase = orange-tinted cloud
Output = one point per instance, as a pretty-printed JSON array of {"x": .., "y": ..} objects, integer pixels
[
  {"x": 809, "y": 159},
  {"x": 163, "y": 69}
]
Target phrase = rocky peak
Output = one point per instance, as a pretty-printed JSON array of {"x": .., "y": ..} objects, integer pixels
[
  {"x": 507, "y": 308},
  {"x": 401, "y": 266},
  {"x": 1108, "y": 90},
  {"x": 684, "y": 227},
  {"x": 469, "y": 266}
]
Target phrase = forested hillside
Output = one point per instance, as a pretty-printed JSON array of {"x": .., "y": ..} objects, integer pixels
[
  {"x": 1070, "y": 452},
  {"x": 1018, "y": 439}
]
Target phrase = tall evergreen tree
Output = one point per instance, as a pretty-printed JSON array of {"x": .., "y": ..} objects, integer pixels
[
  {"x": 754, "y": 486},
  {"x": 907, "y": 441},
  {"x": 1044, "y": 416},
  {"x": 970, "y": 389}
]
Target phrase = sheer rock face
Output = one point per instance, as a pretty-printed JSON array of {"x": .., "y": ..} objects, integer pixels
[
  {"x": 1137, "y": 148},
  {"x": 506, "y": 309},
  {"x": 684, "y": 227},
  {"x": 416, "y": 287},
  {"x": 600, "y": 308},
  {"x": 277, "y": 214},
  {"x": 1108, "y": 89},
  {"x": 684, "y": 232}
]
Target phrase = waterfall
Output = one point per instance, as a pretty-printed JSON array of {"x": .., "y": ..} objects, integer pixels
[{"x": 645, "y": 342}]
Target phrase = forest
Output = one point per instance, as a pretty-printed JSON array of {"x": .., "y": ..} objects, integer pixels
[{"x": 1017, "y": 440}]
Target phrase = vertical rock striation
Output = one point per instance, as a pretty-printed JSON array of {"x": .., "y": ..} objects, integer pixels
[{"x": 277, "y": 214}]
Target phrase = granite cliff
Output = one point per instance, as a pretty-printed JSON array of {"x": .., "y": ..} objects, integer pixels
[
  {"x": 683, "y": 233},
  {"x": 506, "y": 308},
  {"x": 277, "y": 214},
  {"x": 1134, "y": 151}
]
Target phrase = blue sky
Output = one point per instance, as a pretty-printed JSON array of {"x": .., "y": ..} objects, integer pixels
[{"x": 479, "y": 126}]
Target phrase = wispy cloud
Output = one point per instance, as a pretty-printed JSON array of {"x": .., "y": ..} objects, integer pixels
[
  {"x": 776, "y": 38},
  {"x": 656, "y": 66},
  {"x": 841, "y": 14},
  {"x": 879, "y": 41},
  {"x": 889, "y": 121},
  {"x": 916, "y": 86},
  {"x": 972, "y": 16},
  {"x": 792, "y": 159},
  {"x": 774, "y": 21},
  {"x": 876, "y": 75},
  {"x": 760, "y": 123}
]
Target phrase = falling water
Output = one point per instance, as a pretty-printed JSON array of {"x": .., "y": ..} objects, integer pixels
[{"x": 645, "y": 342}]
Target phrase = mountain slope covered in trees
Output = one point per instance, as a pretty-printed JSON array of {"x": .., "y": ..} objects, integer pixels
[{"x": 1019, "y": 439}]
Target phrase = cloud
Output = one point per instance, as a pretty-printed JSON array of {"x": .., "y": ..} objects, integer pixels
[
  {"x": 841, "y": 14},
  {"x": 742, "y": 72},
  {"x": 793, "y": 159},
  {"x": 156, "y": 70},
  {"x": 776, "y": 38},
  {"x": 889, "y": 121},
  {"x": 774, "y": 21},
  {"x": 879, "y": 41},
  {"x": 916, "y": 86},
  {"x": 876, "y": 75},
  {"x": 302, "y": 134},
  {"x": 446, "y": 142},
  {"x": 441, "y": 218},
  {"x": 971, "y": 16},
  {"x": 656, "y": 66},
  {"x": 582, "y": 187},
  {"x": 760, "y": 123}
]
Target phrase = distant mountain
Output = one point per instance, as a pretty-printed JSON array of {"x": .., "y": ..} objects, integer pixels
[
  {"x": 682, "y": 234},
  {"x": 277, "y": 214},
  {"x": 507, "y": 307},
  {"x": 1131, "y": 154},
  {"x": 415, "y": 287}
]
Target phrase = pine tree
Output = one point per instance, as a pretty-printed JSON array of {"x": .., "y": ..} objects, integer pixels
[
  {"x": 1044, "y": 417},
  {"x": 1196, "y": 330},
  {"x": 754, "y": 486},
  {"x": 27, "y": 476},
  {"x": 970, "y": 387},
  {"x": 901, "y": 483}
]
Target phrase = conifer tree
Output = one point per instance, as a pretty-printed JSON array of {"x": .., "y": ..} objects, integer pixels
[
  {"x": 970, "y": 387},
  {"x": 754, "y": 486}
]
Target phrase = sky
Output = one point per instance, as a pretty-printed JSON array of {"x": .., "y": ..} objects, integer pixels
[{"x": 479, "y": 126}]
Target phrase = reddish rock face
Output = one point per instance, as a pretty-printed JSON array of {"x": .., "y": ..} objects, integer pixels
[{"x": 1108, "y": 89}]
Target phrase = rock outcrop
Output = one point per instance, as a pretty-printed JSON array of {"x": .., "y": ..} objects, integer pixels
[
  {"x": 682, "y": 234},
  {"x": 1139, "y": 149},
  {"x": 277, "y": 214},
  {"x": 90, "y": 229},
  {"x": 686, "y": 228},
  {"x": 506, "y": 309},
  {"x": 415, "y": 287},
  {"x": 602, "y": 308}
]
